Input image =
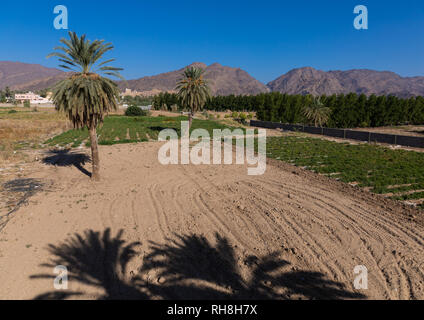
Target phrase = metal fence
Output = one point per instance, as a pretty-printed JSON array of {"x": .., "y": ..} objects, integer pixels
[{"x": 407, "y": 141}]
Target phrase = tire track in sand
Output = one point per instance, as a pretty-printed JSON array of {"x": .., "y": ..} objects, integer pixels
[
  {"x": 380, "y": 231},
  {"x": 382, "y": 283}
]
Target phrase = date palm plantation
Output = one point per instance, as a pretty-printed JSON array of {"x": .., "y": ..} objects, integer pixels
[
  {"x": 86, "y": 96},
  {"x": 317, "y": 112},
  {"x": 193, "y": 91}
]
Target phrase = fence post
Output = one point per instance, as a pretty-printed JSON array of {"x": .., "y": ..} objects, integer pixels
[{"x": 344, "y": 133}]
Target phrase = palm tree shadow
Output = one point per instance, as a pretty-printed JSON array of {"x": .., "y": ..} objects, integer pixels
[
  {"x": 192, "y": 258},
  {"x": 94, "y": 259},
  {"x": 188, "y": 268},
  {"x": 217, "y": 276},
  {"x": 67, "y": 158}
]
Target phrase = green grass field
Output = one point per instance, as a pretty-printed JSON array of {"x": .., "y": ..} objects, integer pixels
[
  {"x": 121, "y": 129},
  {"x": 383, "y": 170}
]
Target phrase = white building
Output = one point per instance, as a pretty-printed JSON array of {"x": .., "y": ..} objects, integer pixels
[{"x": 32, "y": 98}]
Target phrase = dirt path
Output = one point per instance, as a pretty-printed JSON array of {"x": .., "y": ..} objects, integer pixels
[{"x": 205, "y": 232}]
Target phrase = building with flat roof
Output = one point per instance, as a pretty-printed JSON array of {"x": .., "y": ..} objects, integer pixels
[{"x": 32, "y": 98}]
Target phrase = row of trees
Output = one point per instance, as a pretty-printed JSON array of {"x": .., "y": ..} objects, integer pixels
[
  {"x": 341, "y": 111},
  {"x": 170, "y": 101},
  {"x": 344, "y": 111},
  {"x": 166, "y": 101},
  {"x": 137, "y": 101}
]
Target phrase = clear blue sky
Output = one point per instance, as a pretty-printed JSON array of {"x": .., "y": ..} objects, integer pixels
[{"x": 266, "y": 38}]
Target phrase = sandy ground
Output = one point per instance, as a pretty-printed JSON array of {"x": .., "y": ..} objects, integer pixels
[{"x": 149, "y": 231}]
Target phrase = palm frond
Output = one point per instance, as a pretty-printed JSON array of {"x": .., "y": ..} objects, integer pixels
[
  {"x": 84, "y": 54},
  {"x": 317, "y": 112}
]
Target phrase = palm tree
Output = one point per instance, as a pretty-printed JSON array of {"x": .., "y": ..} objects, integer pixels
[
  {"x": 86, "y": 97},
  {"x": 193, "y": 91},
  {"x": 317, "y": 112}
]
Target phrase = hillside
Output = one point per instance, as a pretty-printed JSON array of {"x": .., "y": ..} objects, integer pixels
[
  {"x": 311, "y": 81},
  {"x": 24, "y": 76},
  {"x": 222, "y": 81}
]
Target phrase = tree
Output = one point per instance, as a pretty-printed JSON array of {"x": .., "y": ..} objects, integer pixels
[
  {"x": 86, "y": 97},
  {"x": 2, "y": 97},
  {"x": 193, "y": 91},
  {"x": 8, "y": 92},
  {"x": 317, "y": 112}
]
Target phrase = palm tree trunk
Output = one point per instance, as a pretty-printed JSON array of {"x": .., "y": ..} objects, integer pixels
[
  {"x": 95, "y": 159},
  {"x": 190, "y": 119}
]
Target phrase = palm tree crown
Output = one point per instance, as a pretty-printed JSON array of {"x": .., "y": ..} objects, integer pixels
[
  {"x": 193, "y": 89},
  {"x": 85, "y": 96},
  {"x": 317, "y": 112},
  {"x": 81, "y": 55}
]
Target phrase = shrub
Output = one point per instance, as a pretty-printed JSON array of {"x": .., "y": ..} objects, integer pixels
[
  {"x": 27, "y": 104},
  {"x": 134, "y": 111},
  {"x": 12, "y": 111},
  {"x": 234, "y": 115}
]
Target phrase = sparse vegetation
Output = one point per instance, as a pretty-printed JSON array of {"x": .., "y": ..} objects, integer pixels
[{"x": 22, "y": 129}]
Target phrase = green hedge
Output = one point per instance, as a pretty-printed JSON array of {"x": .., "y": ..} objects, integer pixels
[{"x": 348, "y": 111}]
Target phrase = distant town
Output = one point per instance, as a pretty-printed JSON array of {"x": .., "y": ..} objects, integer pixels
[{"x": 33, "y": 98}]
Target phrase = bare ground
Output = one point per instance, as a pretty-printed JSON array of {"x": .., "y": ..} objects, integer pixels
[{"x": 149, "y": 231}]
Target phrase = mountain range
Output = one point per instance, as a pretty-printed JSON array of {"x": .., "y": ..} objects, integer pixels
[
  {"x": 221, "y": 80},
  {"x": 311, "y": 81},
  {"x": 225, "y": 80},
  {"x": 23, "y": 76}
]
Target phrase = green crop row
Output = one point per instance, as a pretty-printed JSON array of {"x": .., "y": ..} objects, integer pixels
[
  {"x": 120, "y": 129},
  {"x": 381, "y": 169}
]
